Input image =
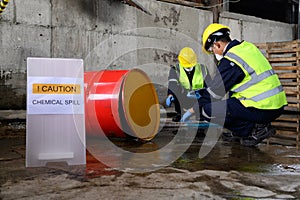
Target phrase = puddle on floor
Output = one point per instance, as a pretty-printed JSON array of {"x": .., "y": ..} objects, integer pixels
[
  {"x": 184, "y": 154},
  {"x": 267, "y": 159}
]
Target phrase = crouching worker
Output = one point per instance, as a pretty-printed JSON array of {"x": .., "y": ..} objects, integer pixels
[
  {"x": 184, "y": 78},
  {"x": 256, "y": 96}
]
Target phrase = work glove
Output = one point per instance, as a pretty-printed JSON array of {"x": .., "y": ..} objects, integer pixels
[
  {"x": 170, "y": 100},
  {"x": 193, "y": 95},
  {"x": 186, "y": 116}
]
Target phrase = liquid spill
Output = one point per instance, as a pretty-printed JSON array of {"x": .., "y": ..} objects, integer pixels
[{"x": 264, "y": 159}]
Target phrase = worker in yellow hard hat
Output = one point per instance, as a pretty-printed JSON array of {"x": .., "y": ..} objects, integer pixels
[
  {"x": 184, "y": 78},
  {"x": 255, "y": 94}
]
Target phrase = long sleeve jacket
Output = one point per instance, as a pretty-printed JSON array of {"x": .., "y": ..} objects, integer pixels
[{"x": 228, "y": 74}]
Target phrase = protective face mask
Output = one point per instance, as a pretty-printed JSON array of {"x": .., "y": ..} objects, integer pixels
[
  {"x": 189, "y": 69},
  {"x": 218, "y": 57}
]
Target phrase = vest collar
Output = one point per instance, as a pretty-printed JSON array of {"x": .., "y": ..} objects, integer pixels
[{"x": 230, "y": 45}]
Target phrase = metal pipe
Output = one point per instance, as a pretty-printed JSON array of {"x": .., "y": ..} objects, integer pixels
[{"x": 3, "y": 4}]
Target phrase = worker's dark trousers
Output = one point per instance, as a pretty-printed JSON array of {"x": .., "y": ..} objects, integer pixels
[{"x": 237, "y": 118}]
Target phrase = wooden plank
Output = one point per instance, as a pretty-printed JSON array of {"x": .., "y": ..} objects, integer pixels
[
  {"x": 285, "y": 119},
  {"x": 285, "y": 124},
  {"x": 289, "y": 134},
  {"x": 292, "y": 90},
  {"x": 286, "y": 44},
  {"x": 286, "y": 133},
  {"x": 289, "y": 108},
  {"x": 286, "y": 67},
  {"x": 283, "y": 51},
  {"x": 293, "y": 105},
  {"x": 290, "y": 118},
  {"x": 285, "y": 60},
  {"x": 287, "y": 75},
  {"x": 282, "y": 59},
  {"x": 293, "y": 99},
  {"x": 292, "y": 95},
  {"x": 285, "y": 83}
]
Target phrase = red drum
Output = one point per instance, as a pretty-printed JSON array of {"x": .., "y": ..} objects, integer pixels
[{"x": 121, "y": 103}]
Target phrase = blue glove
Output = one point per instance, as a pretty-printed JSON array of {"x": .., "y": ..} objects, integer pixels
[
  {"x": 193, "y": 95},
  {"x": 170, "y": 100},
  {"x": 186, "y": 116}
]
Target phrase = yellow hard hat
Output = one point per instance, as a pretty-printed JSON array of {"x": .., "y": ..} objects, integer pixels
[
  {"x": 212, "y": 28},
  {"x": 187, "y": 57}
]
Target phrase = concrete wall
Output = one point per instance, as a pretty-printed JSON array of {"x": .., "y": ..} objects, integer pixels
[
  {"x": 110, "y": 35},
  {"x": 257, "y": 30}
]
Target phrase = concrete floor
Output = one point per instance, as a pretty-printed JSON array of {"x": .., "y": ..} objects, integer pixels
[{"x": 228, "y": 171}]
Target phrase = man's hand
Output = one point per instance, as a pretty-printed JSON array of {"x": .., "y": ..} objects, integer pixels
[
  {"x": 170, "y": 99},
  {"x": 187, "y": 115}
]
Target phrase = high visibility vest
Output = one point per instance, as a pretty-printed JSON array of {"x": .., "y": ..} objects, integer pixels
[
  {"x": 198, "y": 78},
  {"x": 261, "y": 87}
]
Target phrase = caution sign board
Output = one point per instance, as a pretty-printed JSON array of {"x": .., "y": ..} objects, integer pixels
[
  {"x": 55, "y": 95},
  {"x": 55, "y": 122}
]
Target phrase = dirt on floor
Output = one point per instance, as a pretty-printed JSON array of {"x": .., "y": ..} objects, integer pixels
[{"x": 228, "y": 171}]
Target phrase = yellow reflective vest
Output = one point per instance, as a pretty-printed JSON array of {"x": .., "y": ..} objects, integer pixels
[
  {"x": 198, "y": 78},
  {"x": 261, "y": 87}
]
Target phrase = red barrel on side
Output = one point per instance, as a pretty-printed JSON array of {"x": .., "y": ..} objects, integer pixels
[{"x": 119, "y": 103}]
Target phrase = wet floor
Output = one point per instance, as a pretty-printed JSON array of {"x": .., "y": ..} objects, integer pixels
[
  {"x": 168, "y": 148},
  {"x": 225, "y": 156},
  {"x": 181, "y": 161},
  {"x": 271, "y": 159}
]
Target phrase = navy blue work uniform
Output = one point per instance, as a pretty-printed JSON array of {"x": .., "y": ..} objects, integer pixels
[
  {"x": 237, "y": 118},
  {"x": 179, "y": 92}
]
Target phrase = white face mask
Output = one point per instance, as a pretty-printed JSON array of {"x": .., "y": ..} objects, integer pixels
[
  {"x": 218, "y": 57},
  {"x": 189, "y": 69}
]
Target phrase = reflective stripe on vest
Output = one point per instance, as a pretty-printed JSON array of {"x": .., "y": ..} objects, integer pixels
[
  {"x": 265, "y": 95},
  {"x": 198, "y": 78},
  {"x": 255, "y": 78},
  {"x": 173, "y": 80},
  {"x": 261, "y": 90}
]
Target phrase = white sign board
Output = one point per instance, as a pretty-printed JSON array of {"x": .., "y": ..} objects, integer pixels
[
  {"x": 55, "y": 95},
  {"x": 55, "y": 111}
]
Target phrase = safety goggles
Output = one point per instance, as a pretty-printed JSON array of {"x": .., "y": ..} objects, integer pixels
[
  {"x": 212, "y": 39},
  {"x": 210, "y": 49}
]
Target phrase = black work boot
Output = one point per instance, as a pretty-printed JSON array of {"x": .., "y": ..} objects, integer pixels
[
  {"x": 259, "y": 133},
  {"x": 230, "y": 137},
  {"x": 177, "y": 117}
]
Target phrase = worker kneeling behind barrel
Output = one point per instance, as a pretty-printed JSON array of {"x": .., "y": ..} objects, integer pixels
[
  {"x": 185, "y": 78},
  {"x": 256, "y": 96}
]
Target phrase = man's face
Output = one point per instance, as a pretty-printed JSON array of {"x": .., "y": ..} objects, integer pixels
[{"x": 217, "y": 48}]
